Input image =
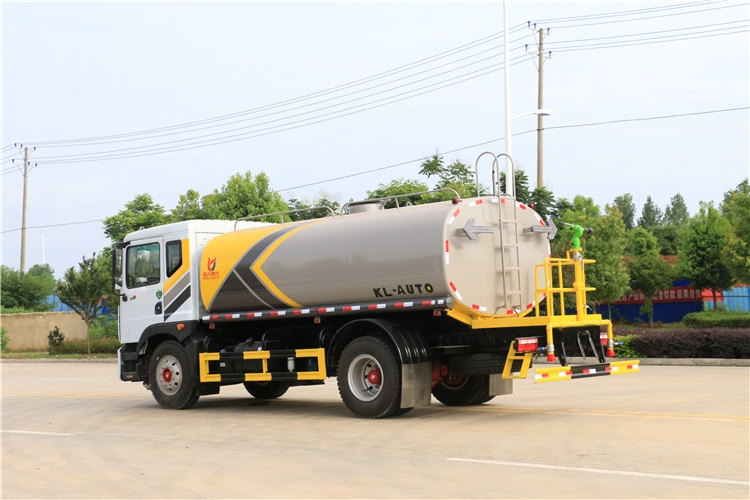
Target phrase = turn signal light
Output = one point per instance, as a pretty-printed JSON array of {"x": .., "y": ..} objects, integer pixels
[{"x": 526, "y": 344}]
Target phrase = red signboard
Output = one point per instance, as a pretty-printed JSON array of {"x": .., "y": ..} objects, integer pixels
[{"x": 674, "y": 294}]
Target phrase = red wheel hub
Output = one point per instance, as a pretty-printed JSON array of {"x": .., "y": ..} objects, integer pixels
[
  {"x": 166, "y": 375},
  {"x": 453, "y": 381},
  {"x": 375, "y": 377}
]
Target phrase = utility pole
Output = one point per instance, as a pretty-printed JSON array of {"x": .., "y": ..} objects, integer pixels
[
  {"x": 26, "y": 168},
  {"x": 23, "y": 218},
  {"x": 540, "y": 105},
  {"x": 43, "y": 263},
  {"x": 510, "y": 182},
  {"x": 539, "y": 117}
]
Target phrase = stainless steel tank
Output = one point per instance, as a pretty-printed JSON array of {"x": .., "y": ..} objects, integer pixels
[{"x": 475, "y": 250}]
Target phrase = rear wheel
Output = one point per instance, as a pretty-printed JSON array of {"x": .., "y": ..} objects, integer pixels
[
  {"x": 172, "y": 382},
  {"x": 267, "y": 390},
  {"x": 369, "y": 378},
  {"x": 462, "y": 390}
]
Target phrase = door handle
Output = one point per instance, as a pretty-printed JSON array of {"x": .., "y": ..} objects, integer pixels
[{"x": 157, "y": 308}]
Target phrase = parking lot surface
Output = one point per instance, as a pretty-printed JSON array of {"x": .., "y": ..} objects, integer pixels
[{"x": 76, "y": 431}]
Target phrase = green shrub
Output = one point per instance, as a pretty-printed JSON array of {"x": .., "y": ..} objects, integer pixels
[
  {"x": 104, "y": 326},
  {"x": 731, "y": 343},
  {"x": 626, "y": 349},
  {"x": 105, "y": 345},
  {"x": 4, "y": 340},
  {"x": 717, "y": 319},
  {"x": 55, "y": 338}
]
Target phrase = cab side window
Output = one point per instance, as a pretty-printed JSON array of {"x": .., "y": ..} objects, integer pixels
[
  {"x": 143, "y": 265},
  {"x": 174, "y": 256}
]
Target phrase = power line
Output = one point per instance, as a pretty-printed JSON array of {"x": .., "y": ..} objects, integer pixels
[
  {"x": 651, "y": 32},
  {"x": 308, "y": 105},
  {"x": 107, "y": 155},
  {"x": 124, "y": 153},
  {"x": 650, "y": 17},
  {"x": 520, "y": 133},
  {"x": 624, "y": 12},
  {"x": 377, "y": 76},
  {"x": 54, "y": 225},
  {"x": 592, "y": 124}
]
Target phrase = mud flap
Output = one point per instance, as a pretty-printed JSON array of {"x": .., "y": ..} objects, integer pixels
[
  {"x": 500, "y": 386},
  {"x": 416, "y": 384}
]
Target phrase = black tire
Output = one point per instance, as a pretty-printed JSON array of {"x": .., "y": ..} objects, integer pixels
[
  {"x": 402, "y": 411},
  {"x": 482, "y": 363},
  {"x": 462, "y": 391},
  {"x": 173, "y": 384},
  {"x": 267, "y": 390},
  {"x": 364, "y": 398}
]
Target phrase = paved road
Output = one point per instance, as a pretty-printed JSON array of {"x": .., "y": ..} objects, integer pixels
[{"x": 75, "y": 431}]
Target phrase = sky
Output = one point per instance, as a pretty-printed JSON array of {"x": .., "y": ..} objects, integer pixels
[{"x": 344, "y": 88}]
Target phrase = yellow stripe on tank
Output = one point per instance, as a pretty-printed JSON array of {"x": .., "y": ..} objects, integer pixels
[
  {"x": 184, "y": 268},
  {"x": 263, "y": 277},
  {"x": 225, "y": 251}
]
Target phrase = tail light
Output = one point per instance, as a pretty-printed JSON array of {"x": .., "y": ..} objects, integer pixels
[
  {"x": 603, "y": 338},
  {"x": 526, "y": 344}
]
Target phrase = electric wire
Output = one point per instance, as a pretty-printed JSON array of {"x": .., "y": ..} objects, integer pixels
[
  {"x": 377, "y": 76},
  {"x": 649, "y": 17},
  {"x": 627, "y": 12},
  {"x": 355, "y": 174},
  {"x": 310, "y": 104}
]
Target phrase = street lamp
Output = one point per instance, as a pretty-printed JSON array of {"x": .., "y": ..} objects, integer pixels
[{"x": 510, "y": 184}]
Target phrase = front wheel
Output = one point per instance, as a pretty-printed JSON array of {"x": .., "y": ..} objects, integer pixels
[
  {"x": 462, "y": 390},
  {"x": 267, "y": 390},
  {"x": 369, "y": 378},
  {"x": 172, "y": 382}
]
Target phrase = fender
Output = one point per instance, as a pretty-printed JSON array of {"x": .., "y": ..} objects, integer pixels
[
  {"x": 410, "y": 344},
  {"x": 169, "y": 329}
]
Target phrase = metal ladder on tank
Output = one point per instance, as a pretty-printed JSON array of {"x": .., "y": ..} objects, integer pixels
[{"x": 510, "y": 268}]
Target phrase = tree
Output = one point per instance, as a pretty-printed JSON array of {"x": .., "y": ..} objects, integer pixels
[
  {"x": 625, "y": 205},
  {"x": 676, "y": 214},
  {"x": 398, "y": 187},
  {"x": 188, "y": 207},
  {"x": 560, "y": 207},
  {"x": 650, "y": 215},
  {"x": 668, "y": 237},
  {"x": 83, "y": 290},
  {"x": 242, "y": 196},
  {"x": 142, "y": 212},
  {"x": 544, "y": 201},
  {"x": 457, "y": 176},
  {"x": 324, "y": 199},
  {"x": 650, "y": 274},
  {"x": 521, "y": 180},
  {"x": 736, "y": 209},
  {"x": 27, "y": 291},
  {"x": 643, "y": 243},
  {"x": 606, "y": 245},
  {"x": 702, "y": 257}
]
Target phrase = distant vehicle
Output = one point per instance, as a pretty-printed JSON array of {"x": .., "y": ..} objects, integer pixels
[{"x": 452, "y": 299}]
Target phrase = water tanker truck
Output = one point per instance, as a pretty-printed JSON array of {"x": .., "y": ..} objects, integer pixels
[{"x": 452, "y": 299}]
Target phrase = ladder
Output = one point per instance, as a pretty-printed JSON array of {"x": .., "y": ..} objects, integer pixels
[{"x": 511, "y": 266}]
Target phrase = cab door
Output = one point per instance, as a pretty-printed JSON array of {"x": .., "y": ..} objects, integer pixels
[{"x": 142, "y": 288}]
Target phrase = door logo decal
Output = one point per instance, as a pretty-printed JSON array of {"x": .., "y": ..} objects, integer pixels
[{"x": 158, "y": 294}]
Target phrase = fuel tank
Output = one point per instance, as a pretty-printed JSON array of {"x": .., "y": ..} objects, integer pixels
[{"x": 479, "y": 251}]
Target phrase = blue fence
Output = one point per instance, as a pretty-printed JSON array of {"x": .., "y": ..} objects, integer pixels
[{"x": 737, "y": 299}]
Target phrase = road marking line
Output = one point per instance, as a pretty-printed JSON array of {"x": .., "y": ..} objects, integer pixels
[
  {"x": 605, "y": 471},
  {"x": 39, "y": 433},
  {"x": 71, "y": 395}
]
